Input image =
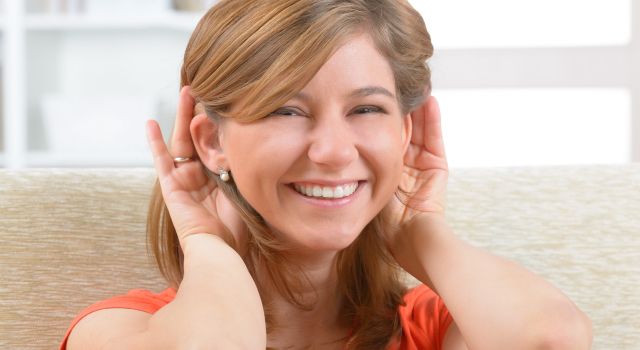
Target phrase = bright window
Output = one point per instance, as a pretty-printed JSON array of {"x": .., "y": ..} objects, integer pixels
[
  {"x": 528, "y": 127},
  {"x": 526, "y": 23}
]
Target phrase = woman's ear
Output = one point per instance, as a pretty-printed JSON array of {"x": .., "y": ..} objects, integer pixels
[{"x": 207, "y": 137}]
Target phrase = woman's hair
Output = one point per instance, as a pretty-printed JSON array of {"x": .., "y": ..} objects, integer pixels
[{"x": 256, "y": 55}]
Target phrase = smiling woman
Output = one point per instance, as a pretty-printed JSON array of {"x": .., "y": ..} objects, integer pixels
[
  {"x": 334, "y": 139},
  {"x": 306, "y": 171}
]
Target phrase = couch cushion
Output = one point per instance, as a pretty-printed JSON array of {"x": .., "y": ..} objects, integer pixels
[{"x": 71, "y": 237}]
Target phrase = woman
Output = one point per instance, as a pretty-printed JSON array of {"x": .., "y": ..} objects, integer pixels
[{"x": 285, "y": 212}]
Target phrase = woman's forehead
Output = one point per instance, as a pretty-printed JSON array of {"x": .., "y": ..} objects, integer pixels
[{"x": 355, "y": 69}]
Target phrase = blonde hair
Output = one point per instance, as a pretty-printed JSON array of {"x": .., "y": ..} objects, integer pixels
[{"x": 255, "y": 56}]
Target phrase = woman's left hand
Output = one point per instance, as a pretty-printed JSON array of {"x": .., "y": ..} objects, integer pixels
[{"x": 424, "y": 179}]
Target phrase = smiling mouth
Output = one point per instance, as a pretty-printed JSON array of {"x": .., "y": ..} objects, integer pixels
[{"x": 327, "y": 192}]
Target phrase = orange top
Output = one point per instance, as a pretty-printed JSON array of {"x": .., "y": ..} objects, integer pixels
[{"x": 424, "y": 317}]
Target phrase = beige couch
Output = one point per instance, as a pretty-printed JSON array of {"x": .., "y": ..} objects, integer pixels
[{"x": 71, "y": 237}]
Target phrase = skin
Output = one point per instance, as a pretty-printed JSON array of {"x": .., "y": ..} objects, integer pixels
[{"x": 326, "y": 140}]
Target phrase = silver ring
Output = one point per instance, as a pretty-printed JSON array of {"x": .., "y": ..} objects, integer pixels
[{"x": 181, "y": 159}]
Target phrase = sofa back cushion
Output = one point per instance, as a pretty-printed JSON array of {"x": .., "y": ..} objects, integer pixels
[{"x": 71, "y": 237}]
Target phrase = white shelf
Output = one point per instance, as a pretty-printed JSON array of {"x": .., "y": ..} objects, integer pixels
[
  {"x": 170, "y": 20},
  {"x": 49, "y": 159},
  {"x": 71, "y": 63}
]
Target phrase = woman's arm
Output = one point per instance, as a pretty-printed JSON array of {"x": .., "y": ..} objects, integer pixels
[
  {"x": 496, "y": 304},
  {"x": 216, "y": 306}
]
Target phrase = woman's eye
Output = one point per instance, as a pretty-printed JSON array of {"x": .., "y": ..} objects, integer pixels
[
  {"x": 368, "y": 109},
  {"x": 287, "y": 112}
]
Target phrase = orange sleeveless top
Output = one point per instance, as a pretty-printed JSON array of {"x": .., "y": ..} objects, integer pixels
[{"x": 424, "y": 318}]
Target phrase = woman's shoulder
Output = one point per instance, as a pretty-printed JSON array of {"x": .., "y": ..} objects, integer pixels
[
  {"x": 424, "y": 319},
  {"x": 135, "y": 299},
  {"x": 140, "y": 300}
]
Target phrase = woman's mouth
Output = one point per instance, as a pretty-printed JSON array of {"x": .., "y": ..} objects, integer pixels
[{"x": 328, "y": 192}]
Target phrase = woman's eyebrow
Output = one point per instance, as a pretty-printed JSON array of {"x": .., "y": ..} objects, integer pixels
[
  {"x": 360, "y": 92},
  {"x": 371, "y": 90}
]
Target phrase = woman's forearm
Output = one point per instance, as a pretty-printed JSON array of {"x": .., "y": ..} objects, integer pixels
[
  {"x": 496, "y": 303},
  {"x": 216, "y": 306}
]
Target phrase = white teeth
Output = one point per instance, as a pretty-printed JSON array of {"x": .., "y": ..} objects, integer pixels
[{"x": 326, "y": 191}]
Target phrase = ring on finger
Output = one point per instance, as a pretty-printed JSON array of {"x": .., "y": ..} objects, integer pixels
[{"x": 179, "y": 160}]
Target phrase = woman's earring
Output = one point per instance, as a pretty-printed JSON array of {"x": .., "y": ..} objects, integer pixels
[{"x": 224, "y": 175}]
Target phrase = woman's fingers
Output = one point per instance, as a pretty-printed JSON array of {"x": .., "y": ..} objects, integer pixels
[
  {"x": 162, "y": 160},
  {"x": 433, "y": 140},
  {"x": 417, "y": 120},
  {"x": 427, "y": 128},
  {"x": 181, "y": 144}
]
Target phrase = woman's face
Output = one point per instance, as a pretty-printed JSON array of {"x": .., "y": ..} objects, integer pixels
[{"x": 320, "y": 167}]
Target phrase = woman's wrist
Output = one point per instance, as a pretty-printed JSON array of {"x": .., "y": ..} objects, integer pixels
[
  {"x": 420, "y": 225},
  {"x": 419, "y": 242},
  {"x": 205, "y": 245}
]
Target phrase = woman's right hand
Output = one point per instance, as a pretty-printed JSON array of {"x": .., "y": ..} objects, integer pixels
[{"x": 195, "y": 203}]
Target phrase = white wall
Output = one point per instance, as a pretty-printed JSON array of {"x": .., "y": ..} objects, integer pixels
[
  {"x": 520, "y": 82},
  {"x": 536, "y": 82}
]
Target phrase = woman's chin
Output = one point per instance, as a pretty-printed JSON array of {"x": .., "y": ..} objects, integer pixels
[
  {"x": 320, "y": 235},
  {"x": 312, "y": 243}
]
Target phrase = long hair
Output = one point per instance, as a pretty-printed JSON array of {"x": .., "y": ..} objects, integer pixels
[{"x": 256, "y": 55}]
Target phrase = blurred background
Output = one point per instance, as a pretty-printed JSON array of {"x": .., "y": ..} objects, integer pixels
[{"x": 520, "y": 83}]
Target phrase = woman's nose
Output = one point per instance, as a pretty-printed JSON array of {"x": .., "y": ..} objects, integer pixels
[{"x": 333, "y": 144}]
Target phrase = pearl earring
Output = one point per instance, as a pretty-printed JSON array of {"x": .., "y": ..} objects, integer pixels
[{"x": 224, "y": 175}]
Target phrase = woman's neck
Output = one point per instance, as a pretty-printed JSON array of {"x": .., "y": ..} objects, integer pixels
[{"x": 318, "y": 324}]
